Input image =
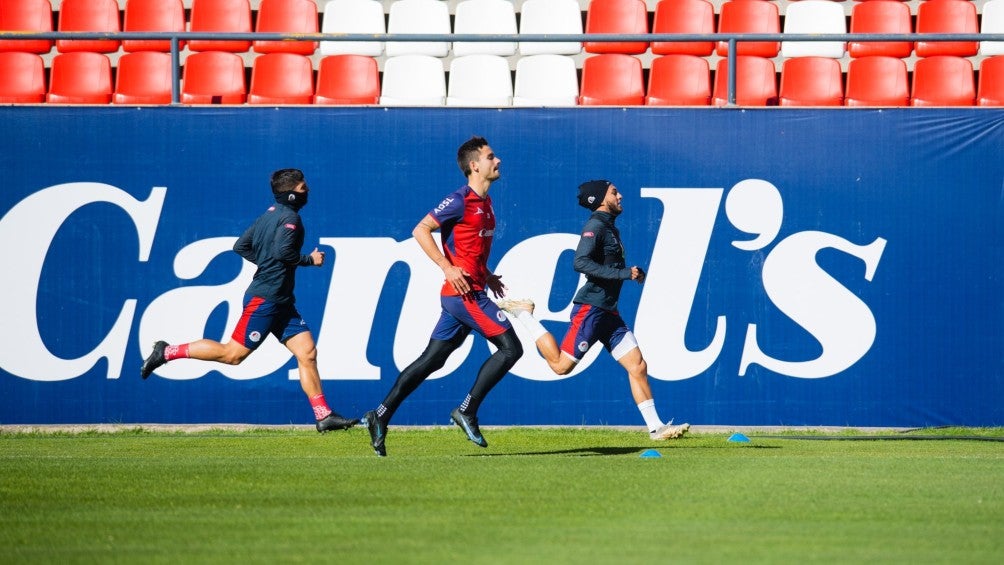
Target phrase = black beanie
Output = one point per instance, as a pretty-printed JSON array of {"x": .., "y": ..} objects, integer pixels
[{"x": 592, "y": 193}]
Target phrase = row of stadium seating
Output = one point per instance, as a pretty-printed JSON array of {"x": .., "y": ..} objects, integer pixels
[
  {"x": 218, "y": 77},
  {"x": 681, "y": 77},
  {"x": 500, "y": 17}
]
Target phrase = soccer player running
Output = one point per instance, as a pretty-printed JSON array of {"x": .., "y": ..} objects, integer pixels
[
  {"x": 273, "y": 243},
  {"x": 467, "y": 223},
  {"x": 599, "y": 256}
]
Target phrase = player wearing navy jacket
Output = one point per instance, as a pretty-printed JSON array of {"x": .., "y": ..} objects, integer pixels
[
  {"x": 466, "y": 221},
  {"x": 273, "y": 243},
  {"x": 600, "y": 256}
]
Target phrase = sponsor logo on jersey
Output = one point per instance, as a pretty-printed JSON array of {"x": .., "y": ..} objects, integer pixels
[
  {"x": 442, "y": 205},
  {"x": 255, "y": 336}
]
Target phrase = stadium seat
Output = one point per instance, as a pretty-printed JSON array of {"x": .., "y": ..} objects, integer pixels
[
  {"x": 224, "y": 16},
  {"x": 617, "y": 16},
  {"x": 347, "y": 79},
  {"x": 546, "y": 80},
  {"x": 992, "y": 22},
  {"x": 990, "y": 90},
  {"x": 484, "y": 17},
  {"x": 684, "y": 16},
  {"x": 877, "y": 81},
  {"x": 943, "y": 80},
  {"x": 756, "y": 81},
  {"x": 143, "y": 77},
  {"x": 811, "y": 81},
  {"x": 22, "y": 78},
  {"x": 213, "y": 77},
  {"x": 413, "y": 80},
  {"x": 550, "y": 17},
  {"x": 88, "y": 15},
  {"x": 26, "y": 15},
  {"x": 679, "y": 80},
  {"x": 749, "y": 16},
  {"x": 281, "y": 78},
  {"x": 947, "y": 16},
  {"x": 153, "y": 15},
  {"x": 814, "y": 16},
  {"x": 80, "y": 77},
  {"x": 286, "y": 16},
  {"x": 612, "y": 79},
  {"x": 418, "y": 17},
  {"x": 479, "y": 80},
  {"x": 881, "y": 16},
  {"x": 355, "y": 17}
]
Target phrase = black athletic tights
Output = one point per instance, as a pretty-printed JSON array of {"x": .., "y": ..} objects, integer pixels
[{"x": 435, "y": 356}]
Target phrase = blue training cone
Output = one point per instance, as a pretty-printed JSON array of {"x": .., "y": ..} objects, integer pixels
[
  {"x": 650, "y": 453},
  {"x": 739, "y": 438}
]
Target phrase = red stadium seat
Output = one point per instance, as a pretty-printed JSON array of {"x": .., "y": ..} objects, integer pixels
[
  {"x": 223, "y": 16},
  {"x": 684, "y": 16},
  {"x": 756, "y": 81},
  {"x": 612, "y": 79},
  {"x": 213, "y": 77},
  {"x": 153, "y": 15},
  {"x": 943, "y": 80},
  {"x": 347, "y": 79},
  {"x": 80, "y": 78},
  {"x": 990, "y": 91},
  {"x": 143, "y": 77},
  {"x": 881, "y": 16},
  {"x": 26, "y": 15},
  {"x": 281, "y": 78},
  {"x": 679, "y": 80},
  {"x": 287, "y": 16},
  {"x": 88, "y": 15},
  {"x": 617, "y": 16},
  {"x": 749, "y": 16},
  {"x": 877, "y": 81},
  {"x": 947, "y": 16},
  {"x": 811, "y": 81},
  {"x": 22, "y": 78}
]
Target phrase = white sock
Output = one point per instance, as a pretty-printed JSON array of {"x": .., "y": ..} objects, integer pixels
[
  {"x": 535, "y": 328},
  {"x": 648, "y": 411}
]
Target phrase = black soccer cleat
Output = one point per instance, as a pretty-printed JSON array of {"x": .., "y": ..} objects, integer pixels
[
  {"x": 470, "y": 426},
  {"x": 335, "y": 421},
  {"x": 378, "y": 432},
  {"x": 156, "y": 359}
]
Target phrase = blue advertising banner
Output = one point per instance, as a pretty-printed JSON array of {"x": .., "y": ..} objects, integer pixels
[{"x": 805, "y": 267}]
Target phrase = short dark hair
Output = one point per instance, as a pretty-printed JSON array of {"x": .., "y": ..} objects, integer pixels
[
  {"x": 285, "y": 180},
  {"x": 469, "y": 152}
]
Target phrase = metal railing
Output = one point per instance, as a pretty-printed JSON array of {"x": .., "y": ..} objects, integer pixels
[{"x": 733, "y": 39}]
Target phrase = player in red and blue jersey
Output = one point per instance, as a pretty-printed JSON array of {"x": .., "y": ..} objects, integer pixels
[
  {"x": 466, "y": 221},
  {"x": 600, "y": 257},
  {"x": 273, "y": 243}
]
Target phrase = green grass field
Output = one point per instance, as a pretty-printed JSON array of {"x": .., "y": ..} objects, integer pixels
[{"x": 534, "y": 496}]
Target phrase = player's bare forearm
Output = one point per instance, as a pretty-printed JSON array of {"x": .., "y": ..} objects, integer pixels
[{"x": 453, "y": 274}]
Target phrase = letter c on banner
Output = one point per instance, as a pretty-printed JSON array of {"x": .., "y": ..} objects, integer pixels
[{"x": 26, "y": 233}]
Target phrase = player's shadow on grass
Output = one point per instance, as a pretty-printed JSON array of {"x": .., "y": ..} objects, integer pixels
[{"x": 601, "y": 451}]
